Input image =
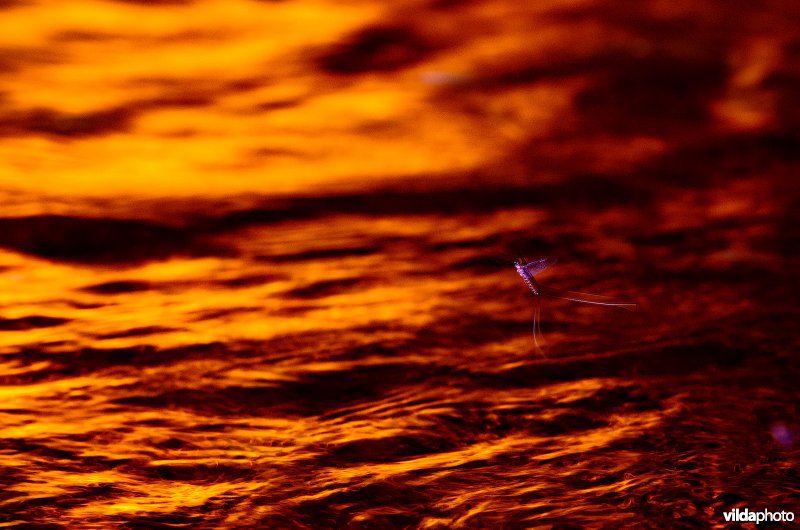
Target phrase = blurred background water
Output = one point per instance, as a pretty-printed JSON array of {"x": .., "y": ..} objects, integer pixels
[{"x": 255, "y": 263}]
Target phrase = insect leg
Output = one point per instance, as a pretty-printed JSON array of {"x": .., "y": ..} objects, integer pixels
[{"x": 537, "y": 330}]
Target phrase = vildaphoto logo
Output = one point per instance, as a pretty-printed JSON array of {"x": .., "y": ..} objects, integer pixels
[{"x": 746, "y": 516}]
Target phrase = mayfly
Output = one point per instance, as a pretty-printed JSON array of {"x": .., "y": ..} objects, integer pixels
[{"x": 529, "y": 270}]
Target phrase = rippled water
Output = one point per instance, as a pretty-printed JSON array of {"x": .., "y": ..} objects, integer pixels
[{"x": 255, "y": 263}]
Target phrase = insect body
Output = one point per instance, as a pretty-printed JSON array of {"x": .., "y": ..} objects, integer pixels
[{"x": 528, "y": 271}]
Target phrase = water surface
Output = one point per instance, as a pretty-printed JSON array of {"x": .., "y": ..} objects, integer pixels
[{"x": 255, "y": 263}]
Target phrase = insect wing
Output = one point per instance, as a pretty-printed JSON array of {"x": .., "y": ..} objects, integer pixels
[{"x": 537, "y": 266}]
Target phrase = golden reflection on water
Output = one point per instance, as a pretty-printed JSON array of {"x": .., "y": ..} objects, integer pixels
[
  {"x": 225, "y": 90},
  {"x": 308, "y": 317}
]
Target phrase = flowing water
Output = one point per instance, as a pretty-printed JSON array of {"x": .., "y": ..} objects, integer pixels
[{"x": 256, "y": 263}]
